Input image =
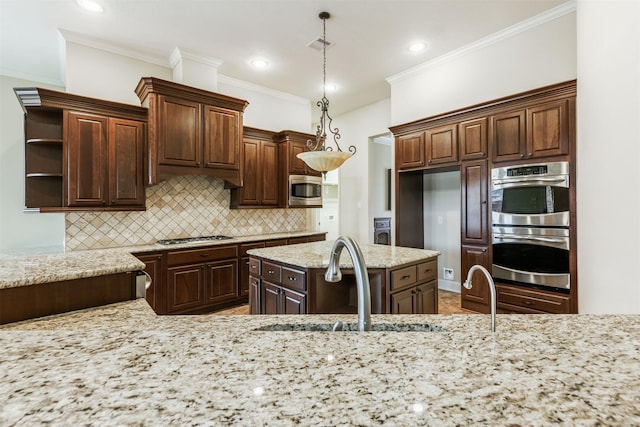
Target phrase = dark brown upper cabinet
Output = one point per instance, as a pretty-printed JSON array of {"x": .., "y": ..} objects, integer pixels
[
  {"x": 410, "y": 151},
  {"x": 472, "y": 136},
  {"x": 261, "y": 179},
  {"x": 293, "y": 143},
  {"x": 530, "y": 133},
  {"x": 192, "y": 131},
  {"x": 82, "y": 153}
]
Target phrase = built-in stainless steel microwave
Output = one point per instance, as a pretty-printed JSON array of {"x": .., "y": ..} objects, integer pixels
[{"x": 305, "y": 190}]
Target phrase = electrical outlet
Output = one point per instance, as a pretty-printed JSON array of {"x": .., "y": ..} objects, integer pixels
[{"x": 447, "y": 273}]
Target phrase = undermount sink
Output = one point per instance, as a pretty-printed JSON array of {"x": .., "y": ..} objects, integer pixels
[{"x": 328, "y": 327}]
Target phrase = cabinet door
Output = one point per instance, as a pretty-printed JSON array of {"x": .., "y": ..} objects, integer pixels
[
  {"x": 254, "y": 295},
  {"x": 403, "y": 302},
  {"x": 185, "y": 287},
  {"x": 269, "y": 183},
  {"x": 427, "y": 298},
  {"x": 473, "y": 139},
  {"x": 293, "y": 302},
  {"x": 548, "y": 129},
  {"x": 474, "y": 206},
  {"x": 153, "y": 267},
  {"x": 221, "y": 281},
  {"x": 86, "y": 159},
  {"x": 508, "y": 136},
  {"x": 221, "y": 138},
  {"x": 442, "y": 144},
  {"x": 270, "y": 298},
  {"x": 179, "y": 132},
  {"x": 250, "y": 189},
  {"x": 410, "y": 151},
  {"x": 477, "y": 298},
  {"x": 126, "y": 162},
  {"x": 297, "y": 166}
]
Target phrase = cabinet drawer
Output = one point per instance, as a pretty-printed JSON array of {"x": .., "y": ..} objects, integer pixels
[
  {"x": 403, "y": 277},
  {"x": 428, "y": 271},
  {"x": 194, "y": 256},
  {"x": 271, "y": 272},
  {"x": 293, "y": 279},
  {"x": 248, "y": 246},
  {"x": 510, "y": 296},
  {"x": 277, "y": 242},
  {"x": 254, "y": 267}
]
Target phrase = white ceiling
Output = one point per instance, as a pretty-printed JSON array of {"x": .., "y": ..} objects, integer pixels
[{"x": 370, "y": 37}]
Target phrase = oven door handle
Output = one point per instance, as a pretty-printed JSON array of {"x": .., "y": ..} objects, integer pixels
[
  {"x": 527, "y": 180},
  {"x": 535, "y": 239}
]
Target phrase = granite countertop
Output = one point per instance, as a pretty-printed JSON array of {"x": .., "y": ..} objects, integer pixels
[
  {"x": 54, "y": 264},
  {"x": 316, "y": 255},
  {"x": 122, "y": 365}
]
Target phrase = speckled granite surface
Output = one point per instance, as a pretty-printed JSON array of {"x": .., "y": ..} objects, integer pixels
[
  {"x": 316, "y": 255},
  {"x": 122, "y": 365},
  {"x": 31, "y": 269}
]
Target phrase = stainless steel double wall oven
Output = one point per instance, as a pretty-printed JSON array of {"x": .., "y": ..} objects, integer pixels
[{"x": 530, "y": 225}]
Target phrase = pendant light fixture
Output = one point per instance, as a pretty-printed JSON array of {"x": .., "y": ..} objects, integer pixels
[{"x": 320, "y": 156}]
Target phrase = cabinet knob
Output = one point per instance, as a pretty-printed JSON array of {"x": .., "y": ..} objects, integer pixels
[
  {"x": 429, "y": 162},
  {"x": 484, "y": 202},
  {"x": 291, "y": 278},
  {"x": 530, "y": 154},
  {"x": 204, "y": 255},
  {"x": 405, "y": 277},
  {"x": 254, "y": 266},
  {"x": 522, "y": 156},
  {"x": 526, "y": 302},
  {"x": 270, "y": 271}
]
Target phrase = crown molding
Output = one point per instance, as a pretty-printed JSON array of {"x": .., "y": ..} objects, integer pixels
[
  {"x": 520, "y": 27},
  {"x": 101, "y": 44},
  {"x": 181, "y": 53},
  {"x": 230, "y": 81}
]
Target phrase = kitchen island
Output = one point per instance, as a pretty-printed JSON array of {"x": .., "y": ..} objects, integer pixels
[
  {"x": 290, "y": 280},
  {"x": 122, "y": 365}
]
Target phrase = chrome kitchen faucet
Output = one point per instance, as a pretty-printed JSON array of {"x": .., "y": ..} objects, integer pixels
[{"x": 492, "y": 288}]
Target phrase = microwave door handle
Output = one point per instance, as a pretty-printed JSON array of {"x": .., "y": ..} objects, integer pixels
[
  {"x": 523, "y": 180},
  {"x": 535, "y": 239}
]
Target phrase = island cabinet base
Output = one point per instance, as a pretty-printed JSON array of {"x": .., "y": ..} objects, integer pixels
[
  {"x": 280, "y": 288},
  {"x": 30, "y": 302}
]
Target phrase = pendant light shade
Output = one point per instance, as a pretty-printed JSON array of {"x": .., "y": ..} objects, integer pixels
[{"x": 321, "y": 157}]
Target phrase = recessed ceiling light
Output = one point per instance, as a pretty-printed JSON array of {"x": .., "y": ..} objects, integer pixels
[
  {"x": 260, "y": 63},
  {"x": 417, "y": 47},
  {"x": 90, "y": 5}
]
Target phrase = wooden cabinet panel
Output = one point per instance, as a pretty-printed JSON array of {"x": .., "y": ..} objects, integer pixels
[
  {"x": 293, "y": 302},
  {"x": 427, "y": 271},
  {"x": 409, "y": 151},
  {"x": 87, "y": 159},
  {"x": 179, "y": 132},
  {"x": 186, "y": 287},
  {"x": 403, "y": 277},
  {"x": 426, "y": 298},
  {"x": 194, "y": 256},
  {"x": 508, "y": 136},
  {"x": 474, "y": 204},
  {"x": 269, "y": 298},
  {"x": 477, "y": 298},
  {"x": 473, "y": 139},
  {"x": 221, "y": 135},
  {"x": 126, "y": 162},
  {"x": 153, "y": 267},
  {"x": 402, "y": 302},
  {"x": 548, "y": 129},
  {"x": 522, "y": 300},
  {"x": 271, "y": 272},
  {"x": 441, "y": 144},
  {"x": 294, "y": 279},
  {"x": 250, "y": 191},
  {"x": 270, "y": 185},
  {"x": 254, "y": 294},
  {"x": 296, "y": 165},
  {"x": 221, "y": 281}
]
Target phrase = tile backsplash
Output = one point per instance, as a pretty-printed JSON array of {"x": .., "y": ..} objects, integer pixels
[{"x": 180, "y": 207}]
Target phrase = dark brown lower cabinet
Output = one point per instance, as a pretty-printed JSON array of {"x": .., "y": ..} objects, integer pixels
[
  {"x": 478, "y": 297},
  {"x": 186, "y": 288},
  {"x": 277, "y": 288},
  {"x": 221, "y": 281},
  {"x": 517, "y": 299}
]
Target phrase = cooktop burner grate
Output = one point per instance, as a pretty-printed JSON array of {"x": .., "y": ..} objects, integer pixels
[{"x": 193, "y": 239}]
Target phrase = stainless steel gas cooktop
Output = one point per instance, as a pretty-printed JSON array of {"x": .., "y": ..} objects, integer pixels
[{"x": 193, "y": 239}]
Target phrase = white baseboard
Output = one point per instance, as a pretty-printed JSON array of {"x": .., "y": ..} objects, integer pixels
[{"x": 449, "y": 285}]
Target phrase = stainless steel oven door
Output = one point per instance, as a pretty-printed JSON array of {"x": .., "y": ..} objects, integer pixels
[
  {"x": 534, "y": 201},
  {"x": 532, "y": 256}
]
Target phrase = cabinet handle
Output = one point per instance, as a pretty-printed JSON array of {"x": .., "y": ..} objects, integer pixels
[
  {"x": 270, "y": 271},
  {"x": 405, "y": 277},
  {"x": 522, "y": 156},
  {"x": 254, "y": 266},
  {"x": 484, "y": 250},
  {"x": 293, "y": 279},
  {"x": 530, "y": 154},
  {"x": 525, "y": 302},
  {"x": 428, "y": 270},
  {"x": 429, "y": 162},
  {"x": 205, "y": 255}
]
